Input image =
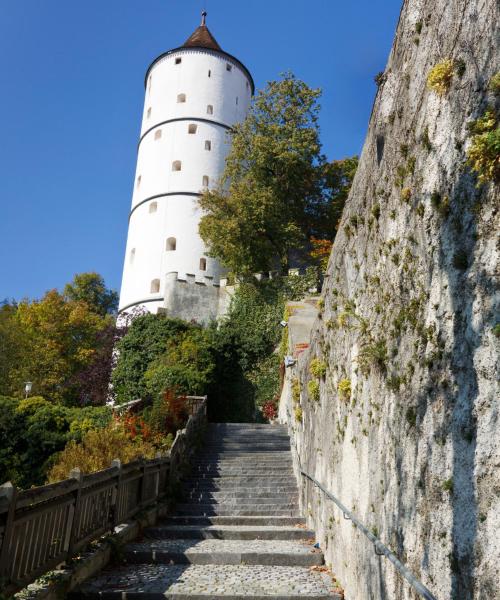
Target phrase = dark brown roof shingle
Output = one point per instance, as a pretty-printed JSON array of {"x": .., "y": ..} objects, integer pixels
[{"x": 202, "y": 38}]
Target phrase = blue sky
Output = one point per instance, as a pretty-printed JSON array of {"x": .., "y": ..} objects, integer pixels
[{"x": 71, "y": 104}]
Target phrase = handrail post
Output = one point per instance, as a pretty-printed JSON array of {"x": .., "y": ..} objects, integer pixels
[
  {"x": 142, "y": 500},
  {"x": 9, "y": 492},
  {"x": 75, "y": 518},
  {"x": 117, "y": 494}
]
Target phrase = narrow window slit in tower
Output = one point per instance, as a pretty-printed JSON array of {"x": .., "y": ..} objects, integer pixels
[
  {"x": 181, "y": 98},
  {"x": 209, "y": 73},
  {"x": 176, "y": 165},
  {"x": 229, "y": 67},
  {"x": 171, "y": 244},
  {"x": 149, "y": 113},
  {"x": 237, "y": 99},
  {"x": 203, "y": 264},
  {"x": 139, "y": 179},
  {"x": 192, "y": 128},
  {"x": 132, "y": 255},
  {"x": 153, "y": 207},
  {"x": 205, "y": 181},
  {"x": 210, "y": 110},
  {"x": 155, "y": 286},
  {"x": 157, "y": 134},
  {"x": 208, "y": 145},
  {"x": 178, "y": 61}
]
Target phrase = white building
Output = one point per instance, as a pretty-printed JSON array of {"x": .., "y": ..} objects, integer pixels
[{"x": 194, "y": 95}]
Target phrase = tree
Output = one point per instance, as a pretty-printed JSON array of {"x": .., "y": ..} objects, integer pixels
[
  {"x": 64, "y": 338},
  {"x": 14, "y": 345},
  {"x": 277, "y": 190},
  {"x": 90, "y": 288},
  {"x": 147, "y": 339},
  {"x": 267, "y": 200}
]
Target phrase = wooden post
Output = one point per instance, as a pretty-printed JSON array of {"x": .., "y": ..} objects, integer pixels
[
  {"x": 9, "y": 493},
  {"x": 143, "y": 483},
  {"x": 117, "y": 494},
  {"x": 73, "y": 525}
]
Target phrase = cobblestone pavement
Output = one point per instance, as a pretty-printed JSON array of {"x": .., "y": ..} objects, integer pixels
[{"x": 212, "y": 580}]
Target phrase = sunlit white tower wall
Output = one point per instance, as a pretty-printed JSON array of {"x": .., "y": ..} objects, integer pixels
[{"x": 194, "y": 95}]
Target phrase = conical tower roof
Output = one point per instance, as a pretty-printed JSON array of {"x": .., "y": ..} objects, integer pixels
[{"x": 201, "y": 37}]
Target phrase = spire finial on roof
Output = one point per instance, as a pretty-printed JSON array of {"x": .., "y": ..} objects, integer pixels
[{"x": 204, "y": 17}]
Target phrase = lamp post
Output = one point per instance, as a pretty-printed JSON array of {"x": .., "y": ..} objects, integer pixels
[{"x": 27, "y": 388}]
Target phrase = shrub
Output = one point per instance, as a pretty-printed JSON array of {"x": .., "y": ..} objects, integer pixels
[
  {"x": 373, "y": 354},
  {"x": 418, "y": 27},
  {"x": 298, "y": 414},
  {"x": 406, "y": 194},
  {"x": 380, "y": 78},
  {"x": 376, "y": 210},
  {"x": 496, "y": 330},
  {"x": 344, "y": 388},
  {"x": 317, "y": 368},
  {"x": 494, "y": 85},
  {"x": 269, "y": 411},
  {"x": 296, "y": 390},
  {"x": 440, "y": 77},
  {"x": 448, "y": 485},
  {"x": 426, "y": 142},
  {"x": 483, "y": 155},
  {"x": 411, "y": 416},
  {"x": 97, "y": 449},
  {"x": 313, "y": 390}
]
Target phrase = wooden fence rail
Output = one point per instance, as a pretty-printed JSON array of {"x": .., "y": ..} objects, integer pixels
[{"x": 43, "y": 527}]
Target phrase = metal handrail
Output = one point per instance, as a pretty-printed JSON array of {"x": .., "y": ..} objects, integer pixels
[{"x": 380, "y": 548}]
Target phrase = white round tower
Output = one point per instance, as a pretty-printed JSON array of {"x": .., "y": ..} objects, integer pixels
[{"x": 194, "y": 95}]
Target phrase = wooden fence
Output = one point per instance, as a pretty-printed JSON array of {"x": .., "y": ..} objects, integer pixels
[{"x": 43, "y": 527}]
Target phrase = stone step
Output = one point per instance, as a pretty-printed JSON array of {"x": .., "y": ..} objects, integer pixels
[
  {"x": 242, "y": 493},
  {"x": 231, "y": 520},
  {"x": 237, "y": 458},
  {"x": 235, "y": 483},
  {"x": 225, "y": 552},
  {"x": 248, "y": 499},
  {"x": 243, "y": 472},
  {"x": 230, "y": 532},
  {"x": 207, "y": 582},
  {"x": 209, "y": 511}
]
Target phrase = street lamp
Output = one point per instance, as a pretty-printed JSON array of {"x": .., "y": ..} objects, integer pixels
[{"x": 27, "y": 388}]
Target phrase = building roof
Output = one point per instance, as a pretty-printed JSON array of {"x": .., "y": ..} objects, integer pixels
[{"x": 201, "y": 37}]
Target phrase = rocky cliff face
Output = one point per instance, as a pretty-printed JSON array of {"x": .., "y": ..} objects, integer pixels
[{"x": 405, "y": 427}]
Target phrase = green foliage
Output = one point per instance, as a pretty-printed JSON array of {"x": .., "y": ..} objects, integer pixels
[
  {"x": 313, "y": 390},
  {"x": 373, "y": 354},
  {"x": 448, "y": 485},
  {"x": 317, "y": 368},
  {"x": 460, "y": 67},
  {"x": 91, "y": 289},
  {"x": 344, "y": 388},
  {"x": 418, "y": 27},
  {"x": 496, "y": 330},
  {"x": 187, "y": 365},
  {"x": 440, "y": 77},
  {"x": 53, "y": 342},
  {"x": 483, "y": 155},
  {"x": 494, "y": 85},
  {"x": 426, "y": 142},
  {"x": 34, "y": 429},
  {"x": 376, "y": 211},
  {"x": 442, "y": 205},
  {"x": 296, "y": 390},
  {"x": 147, "y": 339},
  {"x": 277, "y": 191},
  {"x": 298, "y": 414}
]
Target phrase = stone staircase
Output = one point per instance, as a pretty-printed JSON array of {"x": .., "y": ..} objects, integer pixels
[{"x": 237, "y": 534}]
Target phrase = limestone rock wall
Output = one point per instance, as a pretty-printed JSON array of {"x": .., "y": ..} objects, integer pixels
[{"x": 405, "y": 430}]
